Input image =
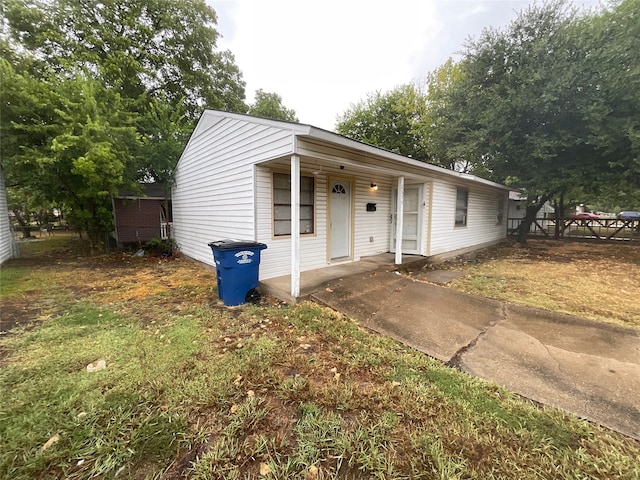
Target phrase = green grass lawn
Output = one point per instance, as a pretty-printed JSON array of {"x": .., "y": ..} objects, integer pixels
[{"x": 195, "y": 390}]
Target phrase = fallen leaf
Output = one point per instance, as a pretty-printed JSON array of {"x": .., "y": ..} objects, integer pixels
[
  {"x": 264, "y": 469},
  {"x": 82, "y": 414},
  {"x": 312, "y": 474},
  {"x": 237, "y": 380},
  {"x": 328, "y": 290},
  {"x": 337, "y": 376},
  {"x": 50, "y": 442},
  {"x": 233, "y": 409},
  {"x": 251, "y": 394},
  {"x": 305, "y": 346},
  {"x": 334, "y": 370},
  {"x": 395, "y": 384}
]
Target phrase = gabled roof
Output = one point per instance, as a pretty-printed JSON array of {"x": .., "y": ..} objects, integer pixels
[{"x": 303, "y": 130}]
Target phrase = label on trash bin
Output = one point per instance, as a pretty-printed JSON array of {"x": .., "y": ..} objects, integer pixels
[{"x": 244, "y": 256}]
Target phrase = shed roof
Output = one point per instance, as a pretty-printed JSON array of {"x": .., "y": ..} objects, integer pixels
[{"x": 147, "y": 190}]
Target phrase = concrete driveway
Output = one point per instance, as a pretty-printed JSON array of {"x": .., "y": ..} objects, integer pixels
[{"x": 581, "y": 366}]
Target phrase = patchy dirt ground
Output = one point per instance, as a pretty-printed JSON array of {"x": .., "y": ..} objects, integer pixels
[{"x": 231, "y": 392}]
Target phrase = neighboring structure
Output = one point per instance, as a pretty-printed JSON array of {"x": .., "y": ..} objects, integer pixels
[
  {"x": 139, "y": 217},
  {"x": 7, "y": 246},
  {"x": 234, "y": 181},
  {"x": 518, "y": 209}
]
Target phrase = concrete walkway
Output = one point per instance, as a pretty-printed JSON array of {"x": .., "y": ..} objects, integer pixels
[{"x": 588, "y": 368}]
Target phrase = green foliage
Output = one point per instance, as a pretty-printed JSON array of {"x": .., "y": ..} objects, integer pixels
[
  {"x": 269, "y": 105},
  {"x": 546, "y": 103},
  {"x": 437, "y": 120},
  {"x": 98, "y": 95},
  {"x": 139, "y": 48},
  {"x": 389, "y": 120}
]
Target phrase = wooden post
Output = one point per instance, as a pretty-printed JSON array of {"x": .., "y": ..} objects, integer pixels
[
  {"x": 295, "y": 226},
  {"x": 399, "y": 220}
]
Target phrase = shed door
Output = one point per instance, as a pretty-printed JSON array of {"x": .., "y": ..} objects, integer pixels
[
  {"x": 411, "y": 223},
  {"x": 340, "y": 219}
]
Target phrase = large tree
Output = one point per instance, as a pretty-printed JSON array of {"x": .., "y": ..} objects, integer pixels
[
  {"x": 96, "y": 95},
  {"x": 269, "y": 105},
  {"x": 140, "y": 48},
  {"x": 389, "y": 120},
  {"x": 541, "y": 104}
]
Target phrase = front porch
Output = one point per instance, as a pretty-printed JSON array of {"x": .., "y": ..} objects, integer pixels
[{"x": 313, "y": 280}]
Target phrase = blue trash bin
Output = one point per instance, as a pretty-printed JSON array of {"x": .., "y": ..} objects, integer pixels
[{"x": 237, "y": 269}]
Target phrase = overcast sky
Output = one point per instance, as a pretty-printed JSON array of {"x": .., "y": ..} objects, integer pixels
[{"x": 321, "y": 56}]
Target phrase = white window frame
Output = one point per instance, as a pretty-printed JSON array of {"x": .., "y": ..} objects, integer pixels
[
  {"x": 281, "y": 197},
  {"x": 461, "y": 210}
]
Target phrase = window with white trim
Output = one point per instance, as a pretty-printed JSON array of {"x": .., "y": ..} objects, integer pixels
[
  {"x": 282, "y": 204},
  {"x": 462, "y": 204}
]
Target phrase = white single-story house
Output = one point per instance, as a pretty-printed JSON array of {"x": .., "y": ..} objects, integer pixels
[
  {"x": 7, "y": 248},
  {"x": 319, "y": 199}
]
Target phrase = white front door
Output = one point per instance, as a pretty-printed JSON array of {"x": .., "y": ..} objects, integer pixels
[
  {"x": 411, "y": 219},
  {"x": 340, "y": 218}
]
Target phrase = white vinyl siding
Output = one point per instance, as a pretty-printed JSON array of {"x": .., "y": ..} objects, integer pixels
[
  {"x": 224, "y": 189},
  {"x": 276, "y": 260},
  {"x": 481, "y": 218},
  {"x": 6, "y": 239},
  {"x": 214, "y": 190}
]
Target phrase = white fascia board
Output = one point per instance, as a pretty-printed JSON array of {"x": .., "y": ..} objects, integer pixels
[
  {"x": 330, "y": 137},
  {"x": 305, "y": 130}
]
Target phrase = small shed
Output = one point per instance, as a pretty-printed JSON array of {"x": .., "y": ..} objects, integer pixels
[
  {"x": 319, "y": 199},
  {"x": 141, "y": 216}
]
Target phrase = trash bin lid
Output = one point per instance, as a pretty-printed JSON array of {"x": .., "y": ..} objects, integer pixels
[{"x": 229, "y": 244}]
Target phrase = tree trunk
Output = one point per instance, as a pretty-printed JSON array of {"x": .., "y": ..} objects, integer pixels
[
  {"x": 25, "y": 228},
  {"x": 529, "y": 218},
  {"x": 558, "y": 215}
]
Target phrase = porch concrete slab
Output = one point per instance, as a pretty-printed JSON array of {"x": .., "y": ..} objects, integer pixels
[
  {"x": 311, "y": 280},
  {"x": 584, "y": 367}
]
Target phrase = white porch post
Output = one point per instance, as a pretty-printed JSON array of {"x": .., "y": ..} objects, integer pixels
[
  {"x": 295, "y": 226},
  {"x": 399, "y": 219}
]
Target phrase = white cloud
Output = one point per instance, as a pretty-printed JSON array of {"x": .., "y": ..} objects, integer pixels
[{"x": 323, "y": 56}]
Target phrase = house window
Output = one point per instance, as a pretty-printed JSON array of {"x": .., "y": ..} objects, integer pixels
[
  {"x": 500, "y": 210},
  {"x": 462, "y": 202},
  {"x": 282, "y": 204}
]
